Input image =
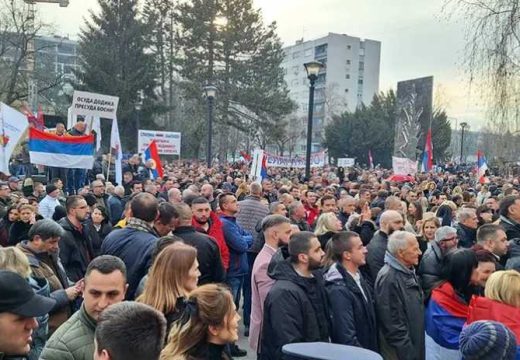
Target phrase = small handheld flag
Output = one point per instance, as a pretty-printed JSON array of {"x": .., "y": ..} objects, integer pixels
[{"x": 151, "y": 153}]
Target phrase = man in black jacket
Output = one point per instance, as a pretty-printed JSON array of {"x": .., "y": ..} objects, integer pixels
[
  {"x": 76, "y": 249},
  {"x": 351, "y": 302},
  {"x": 295, "y": 309},
  {"x": 510, "y": 216},
  {"x": 399, "y": 300},
  {"x": 467, "y": 227},
  {"x": 208, "y": 254}
]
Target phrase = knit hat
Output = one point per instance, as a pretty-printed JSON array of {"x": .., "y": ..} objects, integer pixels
[
  {"x": 50, "y": 188},
  {"x": 487, "y": 340}
]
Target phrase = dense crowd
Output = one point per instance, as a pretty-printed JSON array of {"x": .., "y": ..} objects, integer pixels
[{"x": 159, "y": 268}]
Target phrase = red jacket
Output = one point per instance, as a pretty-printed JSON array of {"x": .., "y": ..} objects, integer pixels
[
  {"x": 312, "y": 214},
  {"x": 482, "y": 308},
  {"x": 216, "y": 233}
]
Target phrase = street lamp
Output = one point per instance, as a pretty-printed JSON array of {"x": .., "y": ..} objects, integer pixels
[
  {"x": 463, "y": 126},
  {"x": 312, "y": 68},
  {"x": 211, "y": 92},
  {"x": 138, "y": 108}
]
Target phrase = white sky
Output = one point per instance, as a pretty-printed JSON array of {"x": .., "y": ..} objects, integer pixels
[{"x": 417, "y": 39}]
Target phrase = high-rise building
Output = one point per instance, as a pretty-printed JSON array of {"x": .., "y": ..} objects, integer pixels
[
  {"x": 58, "y": 55},
  {"x": 350, "y": 78}
]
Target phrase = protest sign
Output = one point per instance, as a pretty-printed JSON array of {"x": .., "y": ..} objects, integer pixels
[
  {"x": 346, "y": 162},
  {"x": 317, "y": 160},
  {"x": 404, "y": 166},
  {"x": 168, "y": 143},
  {"x": 90, "y": 104}
]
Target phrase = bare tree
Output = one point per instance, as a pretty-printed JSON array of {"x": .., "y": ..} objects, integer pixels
[{"x": 493, "y": 56}]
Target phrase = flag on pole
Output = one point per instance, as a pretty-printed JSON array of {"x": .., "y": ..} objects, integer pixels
[
  {"x": 117, "y": 152},
  {"x": 258, "y": 166},
  {"x": 481, "y": 167},
  {"x": 370, "y": 160},
  {"x": 151, "y": 153},
  {"x": 71, "y": 152},
  {"x": 427, "y": 160},
  {"x": 13, "y": 128}
]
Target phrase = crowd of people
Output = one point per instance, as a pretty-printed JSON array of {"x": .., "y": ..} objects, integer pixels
[{"x": 167, "y": 268}]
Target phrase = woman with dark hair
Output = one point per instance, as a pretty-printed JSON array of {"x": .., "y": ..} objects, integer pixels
[
  {"x": 445, "y": 215},
  {"x": 484, "y": 215},
  {"x": 447, "y": 309},
  {"x": 5, "y": 224},
  {"x": 59, "y": 213},
  {"x": 414, "y": 214},
  {"x": 208, "y": 322},
  {"x": 101, "y": 223}
]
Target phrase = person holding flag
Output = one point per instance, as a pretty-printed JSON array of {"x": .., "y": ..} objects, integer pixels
[
  {"x": 482, "y": 168},
  {"x": 153, "y": 167},
  {"x": 427, "y": 160}
]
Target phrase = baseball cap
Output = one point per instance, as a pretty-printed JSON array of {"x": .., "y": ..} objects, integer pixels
[
  {"x": 19, "y": 298},
  {"x": 13, "y": 179}
]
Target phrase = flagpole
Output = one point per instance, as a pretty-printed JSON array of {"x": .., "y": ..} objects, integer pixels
[
  {"x": 108, "y": 166},
  {"x": 3, "y": 139}
]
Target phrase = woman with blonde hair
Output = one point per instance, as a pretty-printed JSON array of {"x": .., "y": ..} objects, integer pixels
[
  {"x": 173, "y": 275},
  {"x": 208, "y": 322},
  {"x": 242, "y": 191},
  {"x": 327, "y": 225},
  {"x": 502, "y": 302}
]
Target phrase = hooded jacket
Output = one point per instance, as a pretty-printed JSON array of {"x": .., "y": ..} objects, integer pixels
[
  {"x": 353, "y": 316},
  {"x": 295, "y": 310},
  {"x": 400, "y": 312}
]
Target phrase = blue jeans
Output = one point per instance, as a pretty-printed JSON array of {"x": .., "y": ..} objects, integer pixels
[{"x": 236, "y": 283}]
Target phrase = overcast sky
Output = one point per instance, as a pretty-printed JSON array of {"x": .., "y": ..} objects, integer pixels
[{"x": 417, "y": 39}]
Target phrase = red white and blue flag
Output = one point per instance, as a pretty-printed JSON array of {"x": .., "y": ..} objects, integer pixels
[
  {"x": 481, "y": 167},
  {"x": 427, "y": 160},
  {"x": 72, "y": 152},
  {"x": 151, "y": 153},
  {"x": 370, "y": 160}
]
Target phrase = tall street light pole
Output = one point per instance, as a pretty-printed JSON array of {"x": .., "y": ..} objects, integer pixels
[
  {"x": 463, "y": 126},
  {"x": 211, "y": 92},
  {"x": 312, "y": 68},
  {"x": 138, "y": 108}
]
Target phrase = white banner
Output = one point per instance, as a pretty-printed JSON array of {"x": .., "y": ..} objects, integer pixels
[
  {"x": 12, "y": 127},
  {"x": 346, "y": 162},
  {"x": 404, "y": 166},
  {"x": 103, "y": 106},
  {"x": 317, "y": 160},
  {"x": 256, "y": 165},
  {"x": 117, "y": 150},
  {"x": 168, "y": 143}
]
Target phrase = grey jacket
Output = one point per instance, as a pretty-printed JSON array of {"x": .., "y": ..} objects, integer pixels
[
  {"x": 251, "y": 211},
  {"x": 430, "y": 268}
]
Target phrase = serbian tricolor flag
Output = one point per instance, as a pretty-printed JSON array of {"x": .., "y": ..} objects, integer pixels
[
  {"x": 445, "y": 316},
  {"x": 263, "y": 171},
  {"x": 481, "y": 168},
  {"x": 481, "y": 308},
  {"x": 370, "y": 160},
  {"x": 427, "y": 160},
  {"x": 151, "y": 153},
  {"x": 72, "y": 152}
]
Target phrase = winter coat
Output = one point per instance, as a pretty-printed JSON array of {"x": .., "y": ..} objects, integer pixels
[
  {"x": 135, "y": 248},
  {"x": 116, "y": 206},
  {"x": 430, "y": 268},
  {"x": 511, "y": 227},
  {"x": 481, "y": 308},
  {"x": 208, "y": 254},
  {"x": 376, "y": 255},
  {"x": 5, "y": 227},
  {"x": 74, "y": 340},
  {"x": 400, "y": 312},
  {"x": 48, "y": 266},
  {"x": 238, "y": 241},
  {"x": 76, "y": 250},
  {"x": 353, "y": 315},
  {"x": 445, "y": 316},
  {"x": 467, "y": 236},
  {"x": 208, "y": 352},
  {"x": 99, "y": 235},
  {"x": 216, "y": 233},
  {"x": 4, "y": 205},
  {"x": 251, "y": 210},
  {"x": 312, "y": 214},
  {"x": 324, "y": 239},
  {"x": 295, "y": 310},
  {"x": 19, "y": 231},
  {"x": 39, "y": 336},
  {"x": 514, "y": 255}
]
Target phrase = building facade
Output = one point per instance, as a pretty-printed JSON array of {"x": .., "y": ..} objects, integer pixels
[{"x": 350, "y": 78}]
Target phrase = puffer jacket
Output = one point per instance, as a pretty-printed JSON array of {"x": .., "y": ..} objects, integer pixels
[
  {"x": 73, "y": 340},
  {"x": 400, "y": 312},
  {"x": 251, "y": 210},
  {"x": 430, "y": 268},
  {"x": 39, "y": 337}
]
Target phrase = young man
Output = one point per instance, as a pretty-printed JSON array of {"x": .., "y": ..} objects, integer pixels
[
  {"x": 19, "y": 308},
  {"x": 351, "y": 301},
  {"x": 105, "y": 285},
  {"x": 129, "y": 331},
  {"x": 295, "y": 309}
]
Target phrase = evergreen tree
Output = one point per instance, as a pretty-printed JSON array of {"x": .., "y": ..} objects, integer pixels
[{"x": 114, "y": 61}]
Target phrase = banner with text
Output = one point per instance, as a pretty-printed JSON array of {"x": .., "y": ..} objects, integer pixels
[
  {"x": 346, "y": 162},
  {"x": 90, "y": 104},
  {"x": 168, "y": 143},
  {"x": 317, "y": 160},
  {"x": 404, "y": 166}
]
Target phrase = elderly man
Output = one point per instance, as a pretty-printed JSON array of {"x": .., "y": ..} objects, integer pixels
[
  {"x": 510, "y": 216},
  {"x": 493, "y": 239},
  {"x": 297, "y": 215},
  {"x": 347, "y": 206},
  {"x": 399, "y": 300},
  {"x": 391, "y": 221},
  {"x": 467, "y": 227},
  {"x": 430, "y": 268},
  {"x": 116, "y": 204},
  {"x": 206, "y": 190},
  {"x": 174, "y": 196}
]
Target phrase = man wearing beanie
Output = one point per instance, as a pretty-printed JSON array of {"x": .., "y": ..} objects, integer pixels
[
  {"x": 49, "y": 202},
  {"x": 488, "y": 340}
]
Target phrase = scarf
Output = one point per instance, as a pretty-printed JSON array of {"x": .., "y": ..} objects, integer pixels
[{"x": 141, "y": 225}]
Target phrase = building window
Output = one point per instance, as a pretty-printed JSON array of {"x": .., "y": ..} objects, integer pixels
[
  {"x": 296, "y": 55},
  {"x": 347, "y": 76},
  {"x": 308, "y": 52},
  {"x": 360, "y": 81},
  {"x": 320, "y": 50},
  {"x": 322, "y": 78},
  {"x": 349, "y": 47},
  {"x": 348, "y": 62},
  {"x": 361, "y": 44},
  {"x": 346, "y": 90},
  {"x": 361, "y": 66}
]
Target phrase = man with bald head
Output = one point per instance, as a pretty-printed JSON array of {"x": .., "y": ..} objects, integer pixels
[
  {"x": 390, "y": 222},
  {"x": 135, "y": 243},
  {"x": 207, "y": 191},
  {"x": 174, "y": 196}
]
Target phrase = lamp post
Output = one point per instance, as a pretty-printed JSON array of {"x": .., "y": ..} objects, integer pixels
[
  {"x": 211, "y": 92},
  {"x": 312, "y": 68},
  {"x": 463, "y": 126},
  {"x": 138, "y": 108}
]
